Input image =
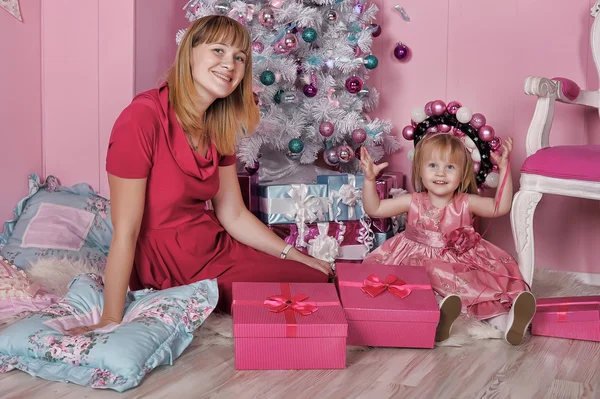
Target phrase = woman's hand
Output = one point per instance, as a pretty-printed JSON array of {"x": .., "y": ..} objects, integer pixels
[
  {"x": 367, "y": 165},
  {"x": 104, "y": 321},
  {"x": 502, "y": 160},
  {"x": 320, "y": 265}
]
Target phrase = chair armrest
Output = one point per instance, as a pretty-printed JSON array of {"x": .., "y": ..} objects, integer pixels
[
  {"x": 561, "y": 89},
  {"x": 548, "y": 91}
]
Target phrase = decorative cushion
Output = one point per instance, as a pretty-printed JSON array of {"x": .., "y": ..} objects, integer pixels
[
  {"x": 157, "y": 327},
  {"x": 18, "y": 294},
  {"x": 581, "y": 162},
  {"x": 78, "y": 221}
]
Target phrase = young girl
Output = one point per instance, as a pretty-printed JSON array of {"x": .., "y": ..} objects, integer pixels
[{"x": 439, "y": 235}]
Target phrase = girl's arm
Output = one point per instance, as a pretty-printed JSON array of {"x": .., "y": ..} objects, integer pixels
[
  {"x": 372, "y": 205},
  {"x": 242, "y": 225},
  {"x": 127, "y": 197},
  {"x": 484, "y": 206}
]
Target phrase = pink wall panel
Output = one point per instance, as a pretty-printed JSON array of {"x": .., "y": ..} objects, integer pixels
[
  {"x": 20, "y": 104},
  {"x": 115, "y": 72},
  {"x": 70, "y": 90}
]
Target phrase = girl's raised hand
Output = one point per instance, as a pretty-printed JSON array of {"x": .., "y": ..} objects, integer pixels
[{"x": 367, "y": 165}]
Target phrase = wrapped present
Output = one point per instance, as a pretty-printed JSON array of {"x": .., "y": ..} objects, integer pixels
[
  {"x": 249, "y": 189},
  {"x": 293, "y": 203},
  {"x": 345, "y": 196},
  {"x": 329, "y": 241},
  {"x": 395, "y": 179},
  {"x": 568, "y": 317},
  {"x": 386, "y": 305},
  {"x": 288, "y": 326}
]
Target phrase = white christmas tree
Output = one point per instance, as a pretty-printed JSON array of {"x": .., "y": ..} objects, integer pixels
[{"x": 311, "y": 61}]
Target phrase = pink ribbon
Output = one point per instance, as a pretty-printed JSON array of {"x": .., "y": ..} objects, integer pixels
[
  {"x": 374, "y": 286},
  {"x": 563, "y": 307}
]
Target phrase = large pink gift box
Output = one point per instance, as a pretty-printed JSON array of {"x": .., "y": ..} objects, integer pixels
[
  {"x": 568, "y": 317},
  {"x": 288, "y": 326},
  {"x": 390, "y": 306}
]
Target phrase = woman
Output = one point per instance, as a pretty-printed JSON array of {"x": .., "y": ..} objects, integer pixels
[{"x": 171, "y": 150}]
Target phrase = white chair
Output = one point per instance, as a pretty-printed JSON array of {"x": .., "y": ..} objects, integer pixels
[{"x": 572, "y": 171}]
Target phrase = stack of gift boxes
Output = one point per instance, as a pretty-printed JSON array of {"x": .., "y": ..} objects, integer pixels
[
  {"x": 324, "y": 219},
  {"x": 308, "y": 325}
]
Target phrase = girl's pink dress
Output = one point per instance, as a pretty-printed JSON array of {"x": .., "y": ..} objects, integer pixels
[{"x": 457, "y": 259}]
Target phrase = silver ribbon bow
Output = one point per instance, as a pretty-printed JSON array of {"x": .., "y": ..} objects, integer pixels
[
  {"x": 349, "y": 195},
  {"x": 323, "y": 246},
  {"x": 307, "y": 208}
]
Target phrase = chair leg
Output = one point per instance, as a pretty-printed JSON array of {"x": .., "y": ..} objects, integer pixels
[{"x": 521, "y": 220}]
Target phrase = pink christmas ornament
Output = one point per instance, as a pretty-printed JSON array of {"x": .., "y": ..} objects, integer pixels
[
  {"x": 496, "y": 143},
  {"x": 345, "y": 153},
  {"x": 354, "y": 84},
  {"x": 359, "y": 136},
  {"x": 257, "y": 47},
  {"x": 252, "y": 169},
  {"x": 486, "y": 133},
  {"x": 438, "y": 107},
  {"x": 290, "y": 41},
  {"x": 408, "y": 132},
  {"x": 310, "y": 90},
  {"x": 477, "y": 121},
  {"x": 401, "y": 51},
  {"x": 326, "y": 129},
  {"x": 266, "y": 17},
  {"x": 444, "y": 128},
  {"x": 428, "y": 108},
  {"x": 480, "y": 191},
  {"x": 453, "y": 106},
  {"x": 330, "y": 156}
]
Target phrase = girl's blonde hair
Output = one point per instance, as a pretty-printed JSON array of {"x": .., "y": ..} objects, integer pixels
[
  {"x": 456, "y": 152},
  {"x": 226, "y": 118}
]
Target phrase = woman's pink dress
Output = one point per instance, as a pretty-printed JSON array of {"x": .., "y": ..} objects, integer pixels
[{"x": 457, "y": 259}]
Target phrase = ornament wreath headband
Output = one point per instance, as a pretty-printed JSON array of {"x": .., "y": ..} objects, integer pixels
[{"x": 471, "y": 129}]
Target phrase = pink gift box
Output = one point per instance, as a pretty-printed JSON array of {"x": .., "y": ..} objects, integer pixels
[
  {"x": 568, "y": 317},
  {"x": 353, "y": 233},
  {"x": 288, "y": 326},
  {"x": 390, "y": 306}
]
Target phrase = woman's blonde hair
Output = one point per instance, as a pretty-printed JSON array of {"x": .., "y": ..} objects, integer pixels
[
  {"x": 226, "y": 118},
  {"x": 456, "y": 152}
]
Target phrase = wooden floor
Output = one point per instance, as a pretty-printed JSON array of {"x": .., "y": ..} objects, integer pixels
[{"x": 540, "y": 368}]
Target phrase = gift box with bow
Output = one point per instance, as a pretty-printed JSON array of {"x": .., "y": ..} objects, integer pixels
[
  {"x": 391, "y": 306},
  {"x": 293, "y": 203},
  {"x": 329, "y": 241},
  {"x": 568, "y": 317},
  {"x": 288, "y": 326}
]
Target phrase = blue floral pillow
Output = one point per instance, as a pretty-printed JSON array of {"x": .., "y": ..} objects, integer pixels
[
  {"x": 157, "y": 327},
  {"x": 57, "y": 221}
]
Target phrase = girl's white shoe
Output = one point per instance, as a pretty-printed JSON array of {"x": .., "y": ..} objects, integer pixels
[
  {"x": 450, "y": 308},
  {"x": 519, "y": 317}
]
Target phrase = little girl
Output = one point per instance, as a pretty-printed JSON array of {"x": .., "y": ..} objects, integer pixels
[{"x": 463, "y": 268}]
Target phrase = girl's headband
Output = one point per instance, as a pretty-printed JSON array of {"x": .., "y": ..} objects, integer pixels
[{"x": 471, "y": 129}]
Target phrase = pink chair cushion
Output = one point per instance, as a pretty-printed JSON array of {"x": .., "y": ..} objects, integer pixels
[
  {"x": 570, "y": 89},
  {"x": 576, "y": 162}
]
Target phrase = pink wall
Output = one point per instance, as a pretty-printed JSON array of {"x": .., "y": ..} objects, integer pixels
[
  {"x": 20, "y": 106},
  {"x": 480, "y": 53}
]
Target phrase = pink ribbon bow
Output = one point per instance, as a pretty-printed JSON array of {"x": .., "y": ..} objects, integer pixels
[
  {"x": 374, "y": 286},
  {"x": 280, "y": 303}
]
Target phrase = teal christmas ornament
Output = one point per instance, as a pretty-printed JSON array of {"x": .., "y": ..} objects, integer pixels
[
  {"x": 267, "y": 78},
  {"x": 277, "y": 96},
  {"x": 295, "y": 146},
  {"x": 309, "y": 35},
  {"x": 371, "y": 62}
]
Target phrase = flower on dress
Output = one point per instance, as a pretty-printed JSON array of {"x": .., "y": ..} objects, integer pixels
[{"x": 461, "y": 240}]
